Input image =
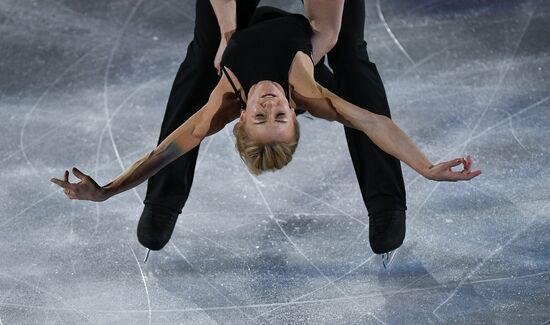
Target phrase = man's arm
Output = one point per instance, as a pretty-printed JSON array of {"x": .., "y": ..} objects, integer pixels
[
  {"x": 226, "y": 14},
  {"x": 325, "y": 18}
]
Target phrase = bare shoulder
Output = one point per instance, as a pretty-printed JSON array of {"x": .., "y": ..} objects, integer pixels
[
  {"x": 306, "y": 92},
  {"x": 301, "y": 76},
  {"x": 224, "y": 85},
  {"x": 223, "y": 106},
  {"x": 223, "y": 101}
]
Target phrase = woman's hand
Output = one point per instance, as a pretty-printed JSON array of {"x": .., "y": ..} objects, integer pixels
[
  {"x": 86, "y": 189},
  {"x": 443, "y": 171}
]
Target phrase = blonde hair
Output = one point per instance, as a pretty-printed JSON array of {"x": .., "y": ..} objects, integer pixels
[{"x": 262, "y": 157}]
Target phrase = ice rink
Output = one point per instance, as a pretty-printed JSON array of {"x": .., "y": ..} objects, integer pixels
[{"x": 85, "y": 84}]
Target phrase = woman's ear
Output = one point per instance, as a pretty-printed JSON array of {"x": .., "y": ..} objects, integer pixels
[
  {"x": 292, "y": 103},
  {"x": 241, "y": 117}
]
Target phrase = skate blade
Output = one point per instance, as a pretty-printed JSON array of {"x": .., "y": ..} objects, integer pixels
[
  {"x": 387, "y": 258},
  {"x": 146, "y": 256}
]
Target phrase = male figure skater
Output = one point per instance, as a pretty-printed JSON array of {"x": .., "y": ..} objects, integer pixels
[{"x": 355, "y": 79}]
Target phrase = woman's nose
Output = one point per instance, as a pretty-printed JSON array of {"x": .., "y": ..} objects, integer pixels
[{"x": 269, "y": 103}]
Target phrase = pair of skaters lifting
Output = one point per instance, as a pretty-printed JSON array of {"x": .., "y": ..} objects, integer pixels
[{"x": 264, "y": 66}]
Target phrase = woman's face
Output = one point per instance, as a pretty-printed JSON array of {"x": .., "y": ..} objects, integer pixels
[{"x": 268, "y": 116}]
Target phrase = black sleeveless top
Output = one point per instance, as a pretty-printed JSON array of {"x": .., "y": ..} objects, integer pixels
[{"x": 264, "y": 50}]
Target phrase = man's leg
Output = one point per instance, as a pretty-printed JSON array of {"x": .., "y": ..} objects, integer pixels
[
  {"x": 379, "y": 174},
  {"x": 168, "y": 190}
]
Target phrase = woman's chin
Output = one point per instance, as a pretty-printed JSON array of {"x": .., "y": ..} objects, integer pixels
[{"x": 265, "y": 87}]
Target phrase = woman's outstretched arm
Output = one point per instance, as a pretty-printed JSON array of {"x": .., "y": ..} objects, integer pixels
[
  {"x": 322, "y": 103},
  {"x": 182, "y": 140},
  {"x": 186, "y": 137}
]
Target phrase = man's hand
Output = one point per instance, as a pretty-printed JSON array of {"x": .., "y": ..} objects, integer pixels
[
  {"x": 219, "y": 54},
  {"x": 443, "y": 171},
  {"x": 86, "y": 189},
  {"x": 226, "y": 36},
  {"x": 226, "y": 14}
]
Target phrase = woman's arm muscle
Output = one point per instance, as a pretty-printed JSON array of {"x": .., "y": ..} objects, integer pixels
[
  {"x": 322, "y": 103},
  {"x": 391, "y": 139},
  {"x": 380, "y": 129},
  {"x": 186, "y": 137}
]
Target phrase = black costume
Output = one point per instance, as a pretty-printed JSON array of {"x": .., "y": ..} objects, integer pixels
[
  {"x": 280, "y": 34},
  {"x": 355, "y": 79}
]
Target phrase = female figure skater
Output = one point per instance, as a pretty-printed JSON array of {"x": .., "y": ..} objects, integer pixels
[{"x": 262, "y": 86}]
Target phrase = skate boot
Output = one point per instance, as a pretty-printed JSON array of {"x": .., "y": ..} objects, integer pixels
[
  {"x": 156, "y": 226},
  {"x": 386, "y": 233}
]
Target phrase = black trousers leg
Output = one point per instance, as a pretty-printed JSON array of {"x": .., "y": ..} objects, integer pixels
[
  {"x": 195, "y": 80},
  {"x": 357, "y": 81},
  {"x": 379, "y": 174}
]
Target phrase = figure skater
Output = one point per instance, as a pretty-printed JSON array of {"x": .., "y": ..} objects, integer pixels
[{"x": 262, "y": 86}]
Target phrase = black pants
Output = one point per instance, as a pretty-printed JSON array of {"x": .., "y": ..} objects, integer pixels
[{"x": 355, "y": 79}]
